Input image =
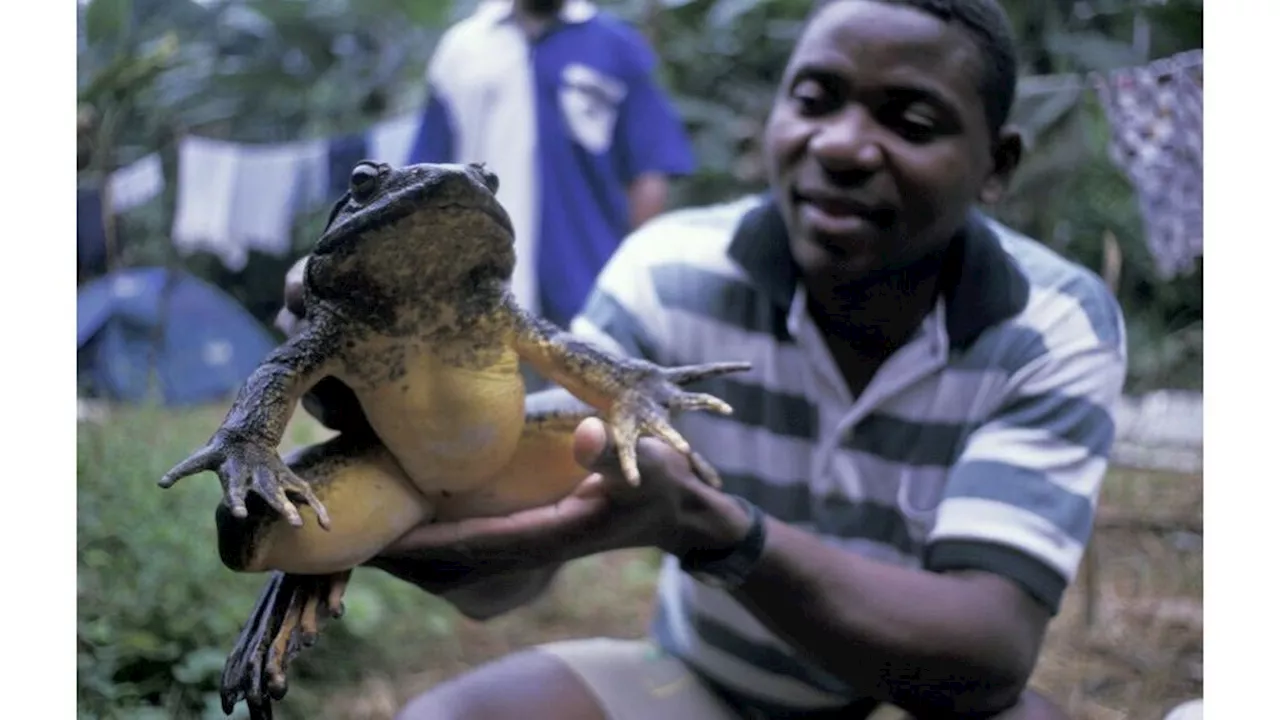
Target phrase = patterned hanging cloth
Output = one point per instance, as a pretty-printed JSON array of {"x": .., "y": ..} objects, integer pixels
[{"x": 1157, "y": 134}]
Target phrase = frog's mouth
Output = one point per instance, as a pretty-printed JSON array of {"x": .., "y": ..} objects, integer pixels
[
  {"x": 348, "y": 234},
  {"x": 495, "y": 213}
]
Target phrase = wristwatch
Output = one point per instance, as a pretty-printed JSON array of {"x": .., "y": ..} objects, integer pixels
[{"x": 728, "y": 568}]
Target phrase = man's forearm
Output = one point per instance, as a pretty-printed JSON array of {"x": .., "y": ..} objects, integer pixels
[
  {"x": 480, "y": 599},
  {"x": 489, "y": 598},
  {"x": 929, "y": 643}
]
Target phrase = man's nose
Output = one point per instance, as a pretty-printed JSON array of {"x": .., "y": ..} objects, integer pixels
[{"x": 849, "y": 142}]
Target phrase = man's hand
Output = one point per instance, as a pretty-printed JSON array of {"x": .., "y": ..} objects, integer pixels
[
  {"x": 294, "y": 310},
  {"x": 671, "y": 509},
  {"x": 488, "y": 566}
]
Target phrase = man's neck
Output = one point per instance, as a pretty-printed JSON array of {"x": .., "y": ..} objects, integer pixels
[
  {"x": 535, "y": 20},
  {"x": 871, "y": 319}
]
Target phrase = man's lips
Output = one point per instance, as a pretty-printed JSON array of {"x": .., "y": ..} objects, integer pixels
[{"x": 841, "y": 215}]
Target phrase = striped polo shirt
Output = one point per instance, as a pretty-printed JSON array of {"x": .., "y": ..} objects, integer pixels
[{"x": 980, "y": 444}]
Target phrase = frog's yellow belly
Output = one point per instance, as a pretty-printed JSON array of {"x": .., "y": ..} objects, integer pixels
[{"x": 450, "y": 428}]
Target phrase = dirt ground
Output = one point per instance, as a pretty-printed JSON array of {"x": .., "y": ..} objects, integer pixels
[{"x": 1141, "y": 655}]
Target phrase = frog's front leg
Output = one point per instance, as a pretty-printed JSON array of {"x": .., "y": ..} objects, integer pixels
[
  {"x": 634, "y": 396},
  {"x": 243, "y": 449}
]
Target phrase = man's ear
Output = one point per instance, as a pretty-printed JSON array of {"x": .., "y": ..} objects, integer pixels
[{"x": 1006, "y": 154}]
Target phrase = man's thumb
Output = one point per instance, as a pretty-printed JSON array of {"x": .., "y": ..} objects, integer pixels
[{"x": 593, "y": 448}]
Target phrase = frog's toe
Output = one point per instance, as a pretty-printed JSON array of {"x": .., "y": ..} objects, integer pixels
[
  {"x": 704, "y": 470},
  {"x": 285, "y": 621},
  {"x": 317, "y": 597},
  {"x": 685, "y": 374},
  {"x": 204, "y": 459},
  {"x": 242, "y": 674}
]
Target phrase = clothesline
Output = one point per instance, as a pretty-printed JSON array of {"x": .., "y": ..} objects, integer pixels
[{"x": 233, "y": 197}]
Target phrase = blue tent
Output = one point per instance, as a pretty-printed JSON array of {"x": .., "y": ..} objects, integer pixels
[{"x": 208, "y": 344}]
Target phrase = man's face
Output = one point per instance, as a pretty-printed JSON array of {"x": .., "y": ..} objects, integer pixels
[
  {"x": 541, "y": 7},
  {"x": 877, "y": 144}
]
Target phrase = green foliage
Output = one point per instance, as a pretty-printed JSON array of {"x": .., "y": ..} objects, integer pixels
[
  {"x": 157, "y": 611},
  {"x": 274, "y": 70}
]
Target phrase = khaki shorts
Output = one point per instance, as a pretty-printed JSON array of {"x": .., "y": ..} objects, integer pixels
[
  {"x": 635, "y": 680},
  {"x": 1190, "y": 710}
]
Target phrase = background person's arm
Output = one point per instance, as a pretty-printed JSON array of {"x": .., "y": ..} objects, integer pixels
[{"x": 647, "y": 197}]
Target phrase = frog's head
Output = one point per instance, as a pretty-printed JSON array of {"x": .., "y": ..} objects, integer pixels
[{"x": 400, "y": 232}]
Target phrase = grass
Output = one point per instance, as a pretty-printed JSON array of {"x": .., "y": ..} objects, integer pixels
[{"x": 1141, "y": 656}]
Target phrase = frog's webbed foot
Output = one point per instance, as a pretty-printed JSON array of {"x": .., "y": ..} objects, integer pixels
[
  {"x": 285, "y": 620},
  {"x": 646, "y": 404},
  {"x": 243, "y": 465}
]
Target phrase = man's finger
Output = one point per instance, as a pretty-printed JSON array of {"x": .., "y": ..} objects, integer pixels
[
  {"x": 593, "y": 448},
  {"x": 527, "y": 531},
  {"x": 286, "y": 322},
  {"x": 293, "y": 294}
]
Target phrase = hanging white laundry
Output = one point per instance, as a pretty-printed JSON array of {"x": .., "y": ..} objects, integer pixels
[
  {"x": 136, "y": 183},
  {"x": 391, "y": 140},
  {"x": 233, "y": 198},
  {"x": 266, "y": 195},
  {"x": 313, "y": 176},
  {"x": 207, "y": 171}
]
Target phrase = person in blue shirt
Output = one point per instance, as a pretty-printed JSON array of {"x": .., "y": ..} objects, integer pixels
[{"x": 560, "y": 100}]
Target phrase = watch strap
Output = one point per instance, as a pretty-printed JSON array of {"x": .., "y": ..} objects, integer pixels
[{"x": 729, "y": 567}]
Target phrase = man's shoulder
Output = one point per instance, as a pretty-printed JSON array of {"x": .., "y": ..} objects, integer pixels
[
  {"x": 618, "y": 29},
  {"x": 469, "y": 34},
  {"x": 621, "y": 39},
  {"x": 1061, "y": 288},
  {"x": 698, "y": 235}
]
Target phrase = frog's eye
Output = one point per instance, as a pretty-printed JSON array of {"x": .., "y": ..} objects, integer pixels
[
  {"x": 489, "y": 179},
  {"x": 364, "y": 179}
]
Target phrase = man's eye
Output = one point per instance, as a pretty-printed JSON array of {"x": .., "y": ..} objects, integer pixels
[
  {"x": 916, "y": 124},
  {"x": 811, "y": 96}
]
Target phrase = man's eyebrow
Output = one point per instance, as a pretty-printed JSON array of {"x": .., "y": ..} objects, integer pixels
[
  {"x": 908, "y": 91},
  {"x": 898, "y": 89}
]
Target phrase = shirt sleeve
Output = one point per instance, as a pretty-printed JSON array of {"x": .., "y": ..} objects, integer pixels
[
  {"x": 652, "y": 135},
  {"x": 1020, "y": 502},
  {"x": 435, "y": 139},
  {"x": 433, "y": 142}
]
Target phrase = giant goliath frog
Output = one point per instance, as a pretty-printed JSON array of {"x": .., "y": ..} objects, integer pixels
[{"x": 407, "y": 306}]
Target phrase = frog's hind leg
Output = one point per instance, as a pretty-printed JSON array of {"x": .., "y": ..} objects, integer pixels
[
  {"x": 284, "y": 620},
  {"x": 308, "y": 568}
]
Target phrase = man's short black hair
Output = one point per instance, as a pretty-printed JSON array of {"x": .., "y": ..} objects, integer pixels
[{"x": 986, "y": 22}]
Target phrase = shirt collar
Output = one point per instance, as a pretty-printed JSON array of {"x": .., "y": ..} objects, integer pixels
[
  {"x": 981, "y": 284},
  {"x": 573, "y": 12}
]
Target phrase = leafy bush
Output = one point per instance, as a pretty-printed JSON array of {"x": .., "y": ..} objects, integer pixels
[{"x": 157, "y": 611}]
